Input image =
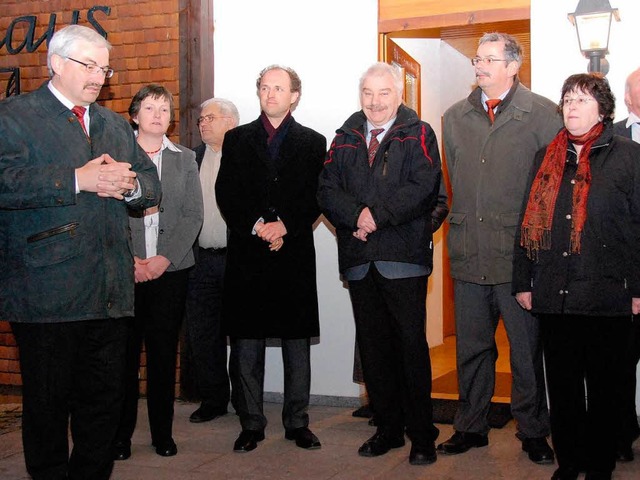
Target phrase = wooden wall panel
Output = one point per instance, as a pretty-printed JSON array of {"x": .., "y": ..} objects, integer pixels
[{"x": 398, "y": 15}]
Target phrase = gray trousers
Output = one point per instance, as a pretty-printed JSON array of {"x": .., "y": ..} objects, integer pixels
[
  {"x": 478, "y": 309},
  {"x": 246, "y": 370}
]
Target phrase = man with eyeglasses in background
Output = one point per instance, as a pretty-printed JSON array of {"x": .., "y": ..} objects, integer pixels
[
  {"x": 629, "y": 430},
  {"x": 70, "y": 169},
  {"x": 490, "y": 139},
  {"x": 207, "y": 344}
]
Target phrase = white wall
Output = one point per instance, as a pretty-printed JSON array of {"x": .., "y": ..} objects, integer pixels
[
  {"x": 329, "y": 44},
  {"x": 557, "y": 55}
]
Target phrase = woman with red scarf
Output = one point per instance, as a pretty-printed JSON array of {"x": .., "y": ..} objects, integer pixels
[{"x": 577, "y": 266}]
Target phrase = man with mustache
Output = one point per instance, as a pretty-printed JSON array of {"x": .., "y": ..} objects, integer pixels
[
  {"x": 70, "y": 171},
  {"x": 378, "y": 188},
  {"x": 489, "y": 151}
]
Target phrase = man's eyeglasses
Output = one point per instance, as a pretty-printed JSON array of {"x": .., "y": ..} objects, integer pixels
[
  {"x": 578, "y": 101},
  {"x": 92, "y": 68},
  {"x": 487, "y": 60},
  {"x": 209, "y": 118}
]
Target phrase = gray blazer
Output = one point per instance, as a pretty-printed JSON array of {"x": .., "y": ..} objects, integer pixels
[{"x": 181, "y": 210}]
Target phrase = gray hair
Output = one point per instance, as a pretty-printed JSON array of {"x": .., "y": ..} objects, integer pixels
[
  {"x": 379, "y": 69},
  {"x": 226, "y": 107},
  {"x": 66, "y": 39},
  {"x": 512, "y": 49}
]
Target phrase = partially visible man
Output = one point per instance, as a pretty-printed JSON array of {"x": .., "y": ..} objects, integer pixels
[
  {"x": 629, "y": 430},
  {"x": 378, "y": 188},
  {"x": 490, "y": 139},
  {"x": 207, "y": 342},
  {"x": 266, "y": 190},
  {"x": 70, "y": 169}
]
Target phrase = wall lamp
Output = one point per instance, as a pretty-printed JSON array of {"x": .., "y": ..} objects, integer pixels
[{"x": 592, "y": 20}]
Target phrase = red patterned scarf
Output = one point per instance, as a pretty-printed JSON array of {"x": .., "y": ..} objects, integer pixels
[{"x": 538, "y": 217}]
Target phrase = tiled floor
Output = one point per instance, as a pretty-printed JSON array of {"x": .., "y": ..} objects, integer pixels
[{"x": 205, "y": 452}]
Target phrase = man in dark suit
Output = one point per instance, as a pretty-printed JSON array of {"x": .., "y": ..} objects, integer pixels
[
  {"x": 629, "y": 429},
  {"x": 70, "y": 169},
  {"x": 207, "y": 341},
  {"x": 266, "y": 190}
]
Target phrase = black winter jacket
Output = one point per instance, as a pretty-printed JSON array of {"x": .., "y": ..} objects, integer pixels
[
  {"x": 605, "y": 275},
  {"x": 401, "y": 190}
]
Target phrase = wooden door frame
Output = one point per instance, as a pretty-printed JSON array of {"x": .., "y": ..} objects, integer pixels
[{"x": 196, "y": 65}]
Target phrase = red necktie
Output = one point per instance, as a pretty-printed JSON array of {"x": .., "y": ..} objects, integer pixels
[
  {"x": 79, "y": 112},
  {"x": 491, "y": 105},
  {"x": 374, "y": 143}
]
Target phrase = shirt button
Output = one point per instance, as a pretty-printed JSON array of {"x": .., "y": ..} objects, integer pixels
[
  {"x": 480, "y": 219},
  {"x": 568, "y": 216},
  {"x": 565, "y": 254},
  {"x": 482, "y": 161},
  {"x": 573, "y": 182},
  {"x": 561, "y": 292},
  {"x": 483, "y": 277}
]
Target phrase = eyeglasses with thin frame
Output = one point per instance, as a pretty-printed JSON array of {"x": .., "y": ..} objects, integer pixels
[
  {"x": 92, "y": 68},
  {"x": 487, "y": 60},
  {"x": 209, "y": 118},
  {"x": 567, "y": 101}
]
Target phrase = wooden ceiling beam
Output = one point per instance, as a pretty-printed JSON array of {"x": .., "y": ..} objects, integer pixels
[{"x": 453, "y": 19}]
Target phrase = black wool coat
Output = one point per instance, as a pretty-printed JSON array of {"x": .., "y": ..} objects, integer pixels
[
  {"x": 270, "y": 294},
  {"x": 604, "y": 276}
]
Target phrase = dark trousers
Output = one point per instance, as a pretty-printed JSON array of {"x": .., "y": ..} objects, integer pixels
[
  {"x": 159, "y": 309},
  {"x": 207, "y": 342},
  {"x": 584, "y": 360},
  {"x": 390, "y": 318},
  {"x": 478, "y": 311},
  {"x": 629, "y": 429},
  {"x": 71, "y": 371},
  {"x": 246, "y": 368}
]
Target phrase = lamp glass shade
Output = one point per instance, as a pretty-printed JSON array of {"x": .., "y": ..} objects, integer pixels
[{"x": 593, "y": 31}]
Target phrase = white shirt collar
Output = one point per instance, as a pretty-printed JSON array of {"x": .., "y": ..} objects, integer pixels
[
  {"x": 386, "y": 127},
  {"x": 484, "y": 97},
  {"x": 166, "y": 143},
  {"x": 633, "y": 118},
  {"x": 64, "y": 100}
]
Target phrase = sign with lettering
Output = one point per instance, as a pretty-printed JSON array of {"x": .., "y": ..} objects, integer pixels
[{"x": 30, "y": 43}]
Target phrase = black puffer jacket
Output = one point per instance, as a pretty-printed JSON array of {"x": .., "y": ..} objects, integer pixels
[
  {"x": 400, "y": 189},
  {"x": 605, "y": 275}
]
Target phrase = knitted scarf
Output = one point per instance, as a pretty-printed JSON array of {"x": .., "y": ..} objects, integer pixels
[{"x": 538, "y": 216}]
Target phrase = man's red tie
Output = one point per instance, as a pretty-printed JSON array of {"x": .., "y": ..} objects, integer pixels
[
  {"x": 79, "y": 112},
  {"x": 374, "y": 144},
  {"x": 491, "y": 105}
]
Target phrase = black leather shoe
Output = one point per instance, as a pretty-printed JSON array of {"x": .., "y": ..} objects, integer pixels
[
  {"x": 364, "y": 411},
  {"x": 380, "y": 444},
  {"x": 565, "y": 474},
  {"x": 460, "y": 442},
  {"x": 304, "y": 438},
  {"x": 539, "y": 450},
  {"x": 624, "y": 452},
  {"x": 422, "y": 454},
  {"x": 206, "y": 413},
  {"x": 167, "y": 448},
  {"x": 121, "y": 450},
  {"x": 248, "y": 440},
  {"x": 598, "y": 476}
]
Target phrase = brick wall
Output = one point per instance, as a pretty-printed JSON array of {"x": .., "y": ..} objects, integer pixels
[{"x": 146, "y": 40}]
